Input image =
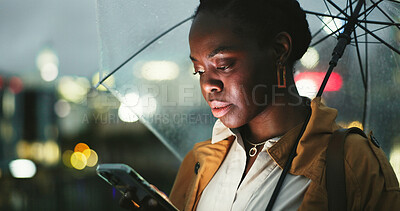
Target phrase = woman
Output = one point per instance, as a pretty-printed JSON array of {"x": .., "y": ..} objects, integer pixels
[{"x": 244, "y": 52}]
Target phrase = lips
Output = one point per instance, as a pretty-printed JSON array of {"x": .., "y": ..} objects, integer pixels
[{"x": 219, "y": 108}]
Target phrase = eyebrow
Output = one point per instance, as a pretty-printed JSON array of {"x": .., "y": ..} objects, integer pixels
[{"x": 216, "y": 51}]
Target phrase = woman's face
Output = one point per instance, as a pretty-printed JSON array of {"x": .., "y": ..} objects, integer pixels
[{"x": 236, "y": 75}]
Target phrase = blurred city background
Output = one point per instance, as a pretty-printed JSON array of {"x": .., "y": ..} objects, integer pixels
[{"x": 55, "y": 127}]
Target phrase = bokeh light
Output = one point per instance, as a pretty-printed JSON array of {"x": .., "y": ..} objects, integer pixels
[
  {"x": 160, "y": 70},
  {"x": 81, "y": 157},
  {"x": 78, "y": 160},
  {"x": 37, "y": 151},
  {"x": 307, "y": 88},
  {"x": 73, "y": 89},
  {"x": 51, "y": 153},
  {"x": 355, "y": 124},
  {"x": 310, "y": 59},
  {"x": 23, "y": 149},
  {"x": 15, "y": 85},
  {"x": 126, "y": 114},
  {"x": 8, "y": 104},
  {"x": 47, "y": 63},
  {"x": 332, "y": 24},
  {"x": 335, "y": 81},
  {"x": 22, "y": 168},
  {"x": 6, "y": 131},
  {"x": 62, "y": 108},
  {"x": 49, "y": 72},
  {"x": 80, "y": 147},
  {"x": 46, "y": 56},
  {"x": 92, "y": 159},
  {"x": 109, "y": 82},
  {"x": 66, "y": 158},
  {"x": 47, "y": 153}
]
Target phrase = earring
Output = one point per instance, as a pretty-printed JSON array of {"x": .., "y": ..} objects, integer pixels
[{"x": 281, "y": 74}]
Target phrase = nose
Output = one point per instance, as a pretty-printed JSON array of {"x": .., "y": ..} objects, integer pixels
[{"x": 211, "y": 84}]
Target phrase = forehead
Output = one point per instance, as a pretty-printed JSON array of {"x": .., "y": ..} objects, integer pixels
[{"x": 209, "y": 31}]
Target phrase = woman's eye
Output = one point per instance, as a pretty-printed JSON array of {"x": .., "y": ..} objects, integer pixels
[
  {"x": 223, "y": 67},
  {"x": 199, "y": 71}
]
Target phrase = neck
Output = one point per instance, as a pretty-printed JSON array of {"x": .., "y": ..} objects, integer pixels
[{"x": 276, "y": 119}]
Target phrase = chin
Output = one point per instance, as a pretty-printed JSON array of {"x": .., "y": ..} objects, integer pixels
[{"x": 232, "y": 122}]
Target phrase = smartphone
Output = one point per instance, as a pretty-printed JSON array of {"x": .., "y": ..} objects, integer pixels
[{"x": 123, "y": 178}]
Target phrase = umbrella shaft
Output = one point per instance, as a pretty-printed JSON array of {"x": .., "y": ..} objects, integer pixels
[{"x": 343, "y": 40}]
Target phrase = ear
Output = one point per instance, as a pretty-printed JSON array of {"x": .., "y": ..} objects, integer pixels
[{"x": 282, "y": 46}]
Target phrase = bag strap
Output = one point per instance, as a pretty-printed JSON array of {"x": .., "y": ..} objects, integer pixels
[{"x": 335, "y": 174}]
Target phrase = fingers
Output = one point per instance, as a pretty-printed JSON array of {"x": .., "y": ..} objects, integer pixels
[
  {"x": 150, "y": 204},
  {"x": 127, "y": 201}
]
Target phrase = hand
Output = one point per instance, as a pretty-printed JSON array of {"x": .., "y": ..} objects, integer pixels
[{"x": 130, "y": 201}]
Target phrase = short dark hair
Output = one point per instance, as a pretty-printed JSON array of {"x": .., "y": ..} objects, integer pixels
[{"x": 265, "y": 19}]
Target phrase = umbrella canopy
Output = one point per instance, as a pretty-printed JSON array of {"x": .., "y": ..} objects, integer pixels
[{"x": 145, "y": 48}]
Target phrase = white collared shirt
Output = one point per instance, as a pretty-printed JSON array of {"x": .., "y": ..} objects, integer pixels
[{"x": 225, "y": 192}]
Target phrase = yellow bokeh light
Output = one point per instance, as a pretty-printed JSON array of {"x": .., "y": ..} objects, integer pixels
[
  {"x": 51, "y": 153},
  {"x": 109, "y": 82},
  {"x": 23, "y": 149},
  {"x": 66, "y": 157},
  {"x": 80, "y": 147},
  {"x": 93, "y": 158},
  {"x": 356, "y": 124},
  {"x": 37, "y": 151},
  {"x": 73, "y": 89},
  {"x": 78, "y": 160},
  {"x": 87, "y": 153}
]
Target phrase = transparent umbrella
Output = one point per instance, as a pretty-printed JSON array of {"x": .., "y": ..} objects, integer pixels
[{"x": 144, "y": 52}]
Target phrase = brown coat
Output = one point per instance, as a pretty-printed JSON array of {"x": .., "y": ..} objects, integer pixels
[{"x": 370, "y": 180}]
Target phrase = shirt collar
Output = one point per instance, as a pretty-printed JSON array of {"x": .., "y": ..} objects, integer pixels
[{"x": 221, "y": 132}]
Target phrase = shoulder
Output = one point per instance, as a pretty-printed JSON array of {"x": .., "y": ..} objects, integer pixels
[
  {"x": 365, "y": 157},
  {"x": 370, "y": 179}
]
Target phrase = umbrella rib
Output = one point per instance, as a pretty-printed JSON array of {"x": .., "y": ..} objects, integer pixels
[
  {"x": 365, "y": 29},
  {"x": 326, "y": 37},
  {"x": 370, "y": 8},
  {"x": 359, "y": 59},
  {"x": 347, "y": 16},
  {"x": 378, "y": 38},
  {"x": 142, "y": 49},
  {"x": 385, "y": 14},
  {"x": 326, "y": 25},
  {"x": 325, "y": 15},
  {"x": 361, "y": 21},
  {"x": 394, "y": 1},
  {"x": 383, "y": 27},
  {"x": 329, "y": 11},
  {"x": 380, "y": 23},
  {"x": 368, "y": 42}
]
